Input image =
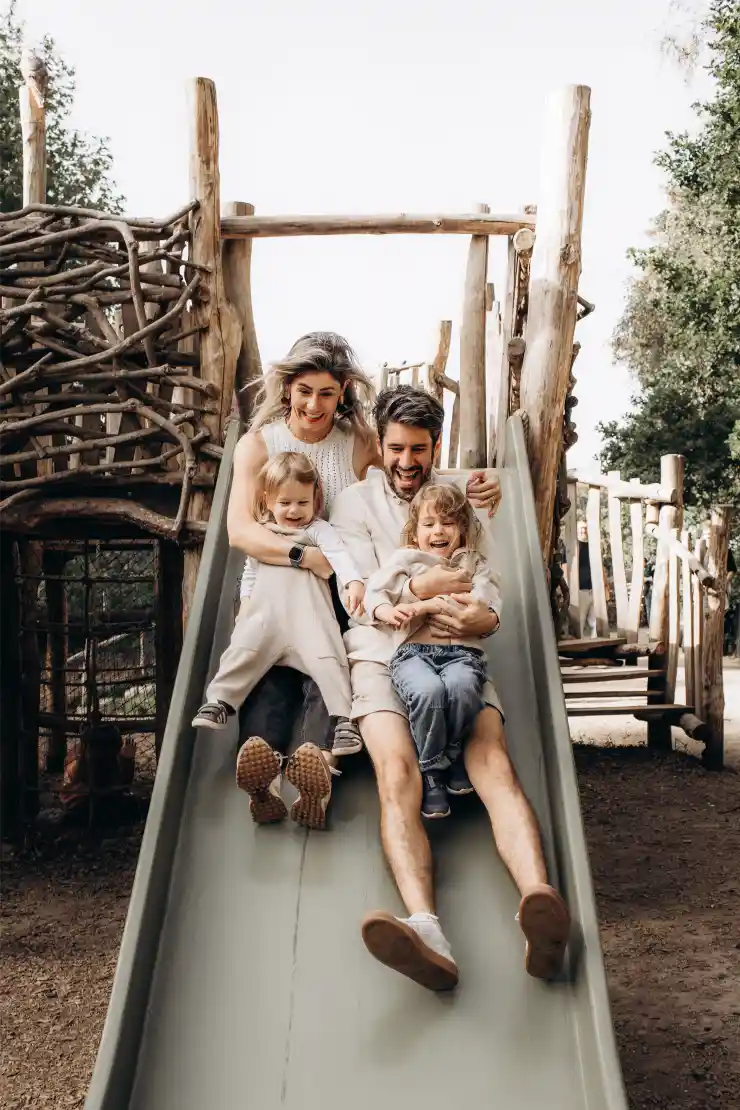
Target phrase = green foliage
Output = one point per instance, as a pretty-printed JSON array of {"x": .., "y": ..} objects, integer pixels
[
  {"x": 78, "y": 165},
  {"x": 680, "y": 331}
]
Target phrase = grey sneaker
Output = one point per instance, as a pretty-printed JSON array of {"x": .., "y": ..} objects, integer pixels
[
  {"x": 214, "y": 715},
  {"x": 347, "y": 739}
]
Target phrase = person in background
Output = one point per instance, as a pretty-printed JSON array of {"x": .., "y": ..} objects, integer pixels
[{"x": 585, "y": 585}]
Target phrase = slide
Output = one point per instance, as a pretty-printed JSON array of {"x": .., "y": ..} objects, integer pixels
[{"x": 242, "y": 981}]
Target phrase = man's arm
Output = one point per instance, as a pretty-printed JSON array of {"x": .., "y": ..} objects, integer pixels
[
  {"x": 487, "y": 585},
  {"x": 349, "y": 521}
]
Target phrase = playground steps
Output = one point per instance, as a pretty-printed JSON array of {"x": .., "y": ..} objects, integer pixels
[{"x": 601, "y": 662}]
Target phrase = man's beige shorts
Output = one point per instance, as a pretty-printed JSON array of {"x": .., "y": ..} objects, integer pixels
[{"x": 372, "y": 691}]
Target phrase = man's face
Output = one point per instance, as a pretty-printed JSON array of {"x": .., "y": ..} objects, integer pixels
[{"x": 408, "y": 454}]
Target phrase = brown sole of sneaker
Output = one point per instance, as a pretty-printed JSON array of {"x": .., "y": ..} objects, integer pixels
[
  {"x": 545, "y": 921},
  {"x": 309, "y": 774},
  {"x": 398, "y": 946},
  {"x": 257, "y": 767},
  {"x": 435, "y": 816}
]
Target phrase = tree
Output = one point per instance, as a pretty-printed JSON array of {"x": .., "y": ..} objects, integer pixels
[
  {"x": 680, "y": 331},
  {"x": 78, "y": 165}
]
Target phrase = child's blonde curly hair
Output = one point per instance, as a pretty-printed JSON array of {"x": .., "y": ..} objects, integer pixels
[
  {"x": 450, "y": 502},
  {"x": 282, "y": 468}
]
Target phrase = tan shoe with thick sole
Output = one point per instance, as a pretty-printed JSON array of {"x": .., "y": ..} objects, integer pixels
[
  {"x": 308, "y": 771},
  {"x": 258, "y": 773},
  {"x": 545, "y": 921}
]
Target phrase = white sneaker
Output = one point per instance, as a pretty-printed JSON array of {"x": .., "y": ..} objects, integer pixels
[{"x": 414, "y": 946}]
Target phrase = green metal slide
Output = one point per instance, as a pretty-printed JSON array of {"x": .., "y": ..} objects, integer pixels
[{"x": 242, "y": 981}]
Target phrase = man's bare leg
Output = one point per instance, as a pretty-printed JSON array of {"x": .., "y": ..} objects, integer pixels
[
  {"x": 543, "y": 915},
  {"x": 406, "y": 846},
  {"x": 415, "y": 947}
]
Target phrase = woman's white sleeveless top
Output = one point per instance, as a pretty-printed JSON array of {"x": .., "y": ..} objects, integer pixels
[{"x": 332, "y": 457}]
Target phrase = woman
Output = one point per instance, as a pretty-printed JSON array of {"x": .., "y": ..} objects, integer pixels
[{"x": 312, "y": 401}]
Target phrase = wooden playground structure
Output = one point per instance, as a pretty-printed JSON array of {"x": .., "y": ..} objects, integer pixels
[{"x": 126, "y": 340}]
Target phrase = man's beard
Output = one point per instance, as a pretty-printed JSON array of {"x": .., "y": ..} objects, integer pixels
[{"x": 422, "y": 474}]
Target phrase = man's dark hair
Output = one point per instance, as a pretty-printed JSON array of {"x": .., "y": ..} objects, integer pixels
[{"x": 404, "y": 404}]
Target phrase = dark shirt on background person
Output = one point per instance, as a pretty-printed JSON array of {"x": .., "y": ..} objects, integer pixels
[{"x": 584, "y": 566}]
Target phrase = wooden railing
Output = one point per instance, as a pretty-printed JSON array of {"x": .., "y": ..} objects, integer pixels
[{"x": 687, "y": 594}]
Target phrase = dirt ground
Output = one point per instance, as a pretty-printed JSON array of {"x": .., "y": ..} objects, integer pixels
[{"x": 664, "y": 839}]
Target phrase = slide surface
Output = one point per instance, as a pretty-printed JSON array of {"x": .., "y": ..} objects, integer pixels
[{"x": 242, "y": 981}]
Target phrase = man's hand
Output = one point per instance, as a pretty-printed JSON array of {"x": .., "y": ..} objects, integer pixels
[
  {"x": 355, "y": 596},
  {"x": 315, "y": 561},
  {"x": 462, "y": 617},
  {"x": 440, "y": 580},
  {"x": 484, "y": 491},
  {"x": 395, "y": 615}
]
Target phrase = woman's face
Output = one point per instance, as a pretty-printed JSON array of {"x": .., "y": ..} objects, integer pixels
[{"x": 313, "y": 402}]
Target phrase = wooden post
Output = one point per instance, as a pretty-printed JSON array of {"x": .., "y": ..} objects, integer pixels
[
  {"x": 615, "y": 540},
  {"x": 437, "y": 367},
  {"x": 454, "y": 444},
  {"x": 504, "y": 385},
  {"x": 596, "y": 561},
  {"x": 698, "y": 636},
  {"x": 54, "y": 563},
  {"x": 220, "y": 339},
  {"x": 632, "y": 631},
  {"x": 11, "y": 736},
  {"x": 670, "y": 518},
  {"x": 32, "y": 94},
  {"x": 687, "y": 624},
  {"x": 714, "y": 695},
  {"x": 570, "y": 537},
  {"x": 237, "y": 264},
  {"x": 553, "y": 292},
  {"x": 473, "y": 451}
]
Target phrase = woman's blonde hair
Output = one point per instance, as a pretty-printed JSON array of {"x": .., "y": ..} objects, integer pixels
[
  {"x": 282, "y": 468},
  {"x": 316, "y": 352},
  {"x": 449, "y": 501}
]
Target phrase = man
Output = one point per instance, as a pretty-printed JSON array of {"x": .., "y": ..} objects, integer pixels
[
  {"x": 370, "y": 516},
  {"x": 585, "y": 585}
]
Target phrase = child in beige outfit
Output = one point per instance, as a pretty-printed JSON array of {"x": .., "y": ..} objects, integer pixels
[{"x": 287, "y": 619}]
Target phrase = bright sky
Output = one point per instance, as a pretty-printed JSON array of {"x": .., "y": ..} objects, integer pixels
[{"x": 384, "y": 106}]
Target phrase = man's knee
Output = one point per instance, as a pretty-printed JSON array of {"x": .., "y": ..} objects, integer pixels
[
  {"x": 488, "y": 742},
  {"x": 391, "y": 749}
]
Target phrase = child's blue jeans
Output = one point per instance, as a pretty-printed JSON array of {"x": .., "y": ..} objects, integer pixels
[{"x": 441, "y": 686}]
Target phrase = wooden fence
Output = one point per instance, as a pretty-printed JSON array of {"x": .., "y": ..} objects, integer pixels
[{"x": 687, "y": 593}]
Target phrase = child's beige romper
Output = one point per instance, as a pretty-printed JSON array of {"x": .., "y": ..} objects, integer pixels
[{"x": 288, "y": 620}]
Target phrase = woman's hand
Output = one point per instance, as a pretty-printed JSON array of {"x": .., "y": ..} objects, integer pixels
[
  {"x": 484, "y": 491},
  {"x": 355, "y": 597},
  {"x": 315, "y": 561},
  {"x": 462, "y": 618},
  {"x": 440, "y": 580}
]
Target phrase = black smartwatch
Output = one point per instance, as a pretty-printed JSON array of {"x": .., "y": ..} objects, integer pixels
[{"x": 296, "y": 555}]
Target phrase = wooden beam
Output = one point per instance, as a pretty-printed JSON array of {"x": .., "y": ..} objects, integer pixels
[
  {"x": 637, "y": 584},
  {"x": 31, "y": 95},
  {"x": 678, "y": 548},
  {"x": 471, "y": 223},
  {"x": 570, "y": 538},
  {"x": 714, "y": 696},
  {"x": 237, "y": 265},
  {"x": 555, "y": 270},
  {"x": 698, "y": 636},
  {"x": 454, "y": 444},
  {"x": 626, "y": 491},
  {"x": 473, "y": 451},
  {"x": 437, "y": 367}
]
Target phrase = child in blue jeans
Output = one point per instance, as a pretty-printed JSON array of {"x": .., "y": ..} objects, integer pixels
[{"x": 439, "y": 681}]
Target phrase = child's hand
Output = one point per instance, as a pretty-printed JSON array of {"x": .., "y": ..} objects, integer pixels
[
  {"x": 395, "y": 615},
  {"x": 355, "y": 596}
]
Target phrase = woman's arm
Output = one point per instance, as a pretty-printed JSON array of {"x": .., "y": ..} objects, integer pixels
[
  {"x": 366, "y": 452},
  {"x": 245, "y": 532}
]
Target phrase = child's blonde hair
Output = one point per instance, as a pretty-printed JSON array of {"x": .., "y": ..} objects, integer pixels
[
  {"x": 282, "y": 468},
  {"x": 449, "y": 502}
]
